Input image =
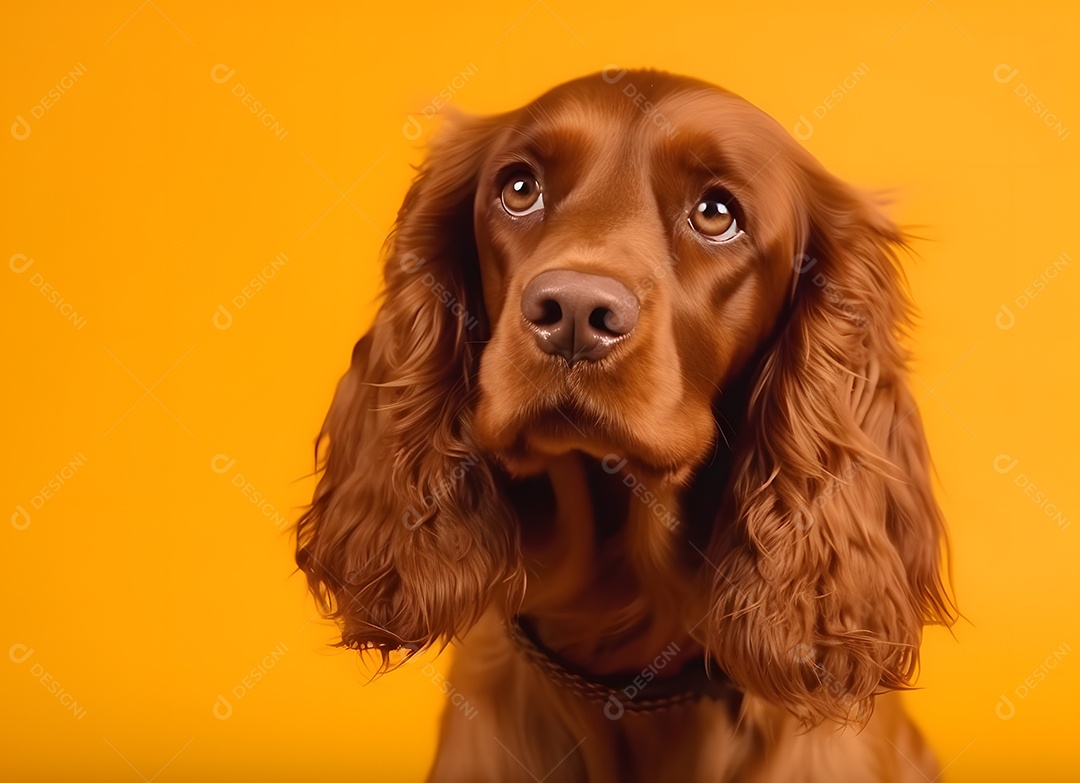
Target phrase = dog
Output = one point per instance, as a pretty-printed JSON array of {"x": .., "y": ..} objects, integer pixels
[{"x": 631, "y": 430}]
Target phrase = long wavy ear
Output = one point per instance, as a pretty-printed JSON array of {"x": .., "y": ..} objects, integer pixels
[
  {"x": 828, "y": 557},
  {"x": 407, "y": 536}
]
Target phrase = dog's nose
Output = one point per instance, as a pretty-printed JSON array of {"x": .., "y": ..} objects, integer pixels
[{"x": 578, "y": 316}]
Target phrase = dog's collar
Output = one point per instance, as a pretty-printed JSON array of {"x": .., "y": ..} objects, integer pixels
[{"x": 641, "y": 692}]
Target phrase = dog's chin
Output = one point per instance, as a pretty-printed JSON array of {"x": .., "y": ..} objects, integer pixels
[{"x": 529, "y": 448}]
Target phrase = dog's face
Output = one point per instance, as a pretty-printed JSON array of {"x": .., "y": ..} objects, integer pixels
[
  {"x": 616, "y": 268},
  {"x": 630, "y": 268}
]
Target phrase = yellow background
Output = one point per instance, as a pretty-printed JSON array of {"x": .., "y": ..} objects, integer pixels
[{"x": 148, "y": 195}]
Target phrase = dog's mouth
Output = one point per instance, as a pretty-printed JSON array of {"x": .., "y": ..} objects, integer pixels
[
  {"x": 531, "y": 411},
  {"x": 564, "y": 427}
]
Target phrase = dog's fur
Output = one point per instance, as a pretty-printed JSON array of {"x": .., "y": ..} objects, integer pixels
[{"x": 743, "y": 479}]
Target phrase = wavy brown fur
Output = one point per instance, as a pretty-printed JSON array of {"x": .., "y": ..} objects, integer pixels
[
  {"x": 467, "y": 474},
  {"x": 407, "y": 534},
  {"x": 821, "y": 604}
]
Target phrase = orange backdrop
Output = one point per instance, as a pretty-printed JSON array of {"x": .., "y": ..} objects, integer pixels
[{"x": 195, "y": 201}]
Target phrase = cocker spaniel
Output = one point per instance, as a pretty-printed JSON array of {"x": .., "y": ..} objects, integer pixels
[{"x": 631, "y": 429}]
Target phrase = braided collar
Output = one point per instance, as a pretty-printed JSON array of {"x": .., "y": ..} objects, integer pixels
[{"x": 644, "y": 692}]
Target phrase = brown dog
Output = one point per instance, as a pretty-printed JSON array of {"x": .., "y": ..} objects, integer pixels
[{"x": 632, "y": 428}]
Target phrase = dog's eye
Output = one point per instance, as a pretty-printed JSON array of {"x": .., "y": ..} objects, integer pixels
[
  {"x": 714, "y": 216},
  {"x": 521, "y": 194}
]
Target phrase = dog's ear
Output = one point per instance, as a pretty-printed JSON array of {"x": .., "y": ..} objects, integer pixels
[
  {"x": 407, "y": 536},
  {"x": 828, "y": 552}
]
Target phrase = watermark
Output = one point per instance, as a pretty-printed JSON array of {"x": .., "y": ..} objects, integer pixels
[
  {"x": 669, "y": 518},
  {"x": 20, "y": 129},
  {"x": 222, "y": 708},
  {"x": 21, "y": 653},
  {"x": 456, "y": 697},
  {"x": 1004, "y": 464},
  {"x": 805, "y": 518},
  {"x": 414, "y": 517},
  {"x": 1006, "y": 708},
  {"x": 648, "y": 283},
  {"x": 413, "y": 129},
  {"x": 613, "y": 74},
  {"x": 615, "y": 707},
  {"x": 20, "y": 520},
  {"x": 222, "y": 464},
  {"x": 19, "y": 263},
  {"x": 803, "y": 263},
  {"x": 805, "y": 654},
  {"x": 804, "y": 128},
  {"x": 223, "y": 317},
  {"x": 1005, "y": 74},
  {"x": 412, "y": 263},
  {"x": 1005, "y": 318},
  {"x": 221, "y": 74}
]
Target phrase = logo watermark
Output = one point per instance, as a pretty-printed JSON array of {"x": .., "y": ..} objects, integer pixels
[
  {"x": 1005, "y": 709},
  {"x": 803, "y": 263},
  {"x": 614, "y": 463},
  {"x": 19, "y": 263},
  {"x": 415, "y": 517},
  {"x": 613, "y": 75},
  {"x": 21, "y": 128},
  {"x": 221, "y": 74},
  {"x": 222, "y": 464},
  {"x": 21, "y": 653},
  {"x": 413, "y": 129},
  {"x": 615, "y": 707},
  {"x": 1006, "y": 74},
  {"x": 804, "y": 128},
  {"x": 456, "y": 697},
  {"x": 222, "y": 708},
  {"x": 21, "y": 519},
  {"x": 805, "y": 519},
  {"x": 223, "y": 317},
  {"x": 412, "y": 263},
  {"x": 1005, "y": 318},
  {"x": 807, "y": 655},
  {"x": 1004, "y": 464}
]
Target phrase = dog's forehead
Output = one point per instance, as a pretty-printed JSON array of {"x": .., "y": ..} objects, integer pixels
[
  {"x": 654, "y": 110},
  {"x": 633, "y": 91}
]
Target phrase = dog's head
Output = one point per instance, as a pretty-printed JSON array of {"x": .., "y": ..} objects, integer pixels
[{"x": 627, "y": 265}]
